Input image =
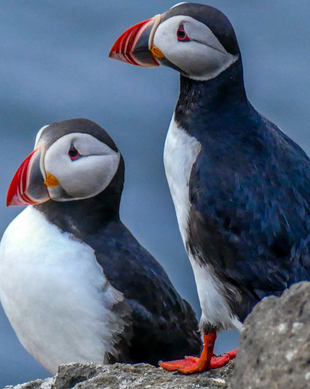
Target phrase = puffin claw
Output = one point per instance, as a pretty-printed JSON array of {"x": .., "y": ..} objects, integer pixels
[
  {"x": 219, "y": 361},
  {"x": 232, "y": 354},
  {"x": 206, "y": 361},
  {"x": 191, "y": 365},
  {"x": 188, "y": 365}
]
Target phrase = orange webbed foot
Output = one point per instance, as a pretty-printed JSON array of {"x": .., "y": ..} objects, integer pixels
[
  {"x": 222, "y": 360},
  {"x": 191, "y": 365},
  {"x": 188, "y": 365}
]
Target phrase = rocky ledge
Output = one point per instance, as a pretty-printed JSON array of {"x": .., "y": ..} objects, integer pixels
[
  {"x": 274, "y": 353},
  {"x": 122, "y": 376},
  {"x": 274, "y": 349}
]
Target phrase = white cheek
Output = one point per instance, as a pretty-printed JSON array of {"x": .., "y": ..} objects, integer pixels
[
  {"x": 166, "y": 40},
  {"x": 84, "y": 177},
  {"x": 209, "y": 64},
  {"x": 201, "y": 58},
  {"x": 91, "y": 175},
  {"x": 184, "y": 55}
]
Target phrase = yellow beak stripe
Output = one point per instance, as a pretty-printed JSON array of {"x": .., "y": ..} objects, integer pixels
[{"x": 51, "y": 181}]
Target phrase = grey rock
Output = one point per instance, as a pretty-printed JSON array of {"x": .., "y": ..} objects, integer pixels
[
  {"x": 123, "y": 376},
  {"x": 274, "y": 347},
  {"x": 37, "y": 384},
  {"x": 274, "y": 353}
]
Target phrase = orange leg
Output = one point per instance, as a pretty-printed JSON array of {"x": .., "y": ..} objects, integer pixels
[{"x": 206, "y": 361}]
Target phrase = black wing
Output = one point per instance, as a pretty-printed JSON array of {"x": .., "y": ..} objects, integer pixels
[
  {"x": 164, "y": 325},
  {"x": 250, "y": 216}
]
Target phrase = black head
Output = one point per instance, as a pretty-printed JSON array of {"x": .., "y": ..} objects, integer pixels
[
  {"x": 217, "y": 22},
  {"x": 195, "y": 39},
  {"x": 73, "y": 160}
]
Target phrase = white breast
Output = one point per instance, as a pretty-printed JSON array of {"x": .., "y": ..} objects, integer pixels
[
  {"x": 55, "y": 293},
  {"x": 181, "y": 152}
]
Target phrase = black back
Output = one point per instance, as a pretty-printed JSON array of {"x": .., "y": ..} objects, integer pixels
[
  {"x": 249, "y": 190},
  {"x": 161, "y": 325}
]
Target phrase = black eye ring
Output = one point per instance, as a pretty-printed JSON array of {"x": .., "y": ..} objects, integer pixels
[
  {"x": 181, "y": 34},
  {"x": 73, "y": 153}
]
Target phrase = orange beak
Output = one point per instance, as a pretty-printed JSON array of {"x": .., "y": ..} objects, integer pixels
[
  {"x": 135, "y": 45},
  {"x": 27, "y": 186}
]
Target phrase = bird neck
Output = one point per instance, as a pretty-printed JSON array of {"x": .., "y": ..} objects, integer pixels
[
  {"x": 209, "y": 102},
  {"x": 88, "y": 216}
]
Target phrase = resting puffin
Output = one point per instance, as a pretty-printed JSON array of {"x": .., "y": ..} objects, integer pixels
[
  {"x": 74, "y": 282},
  {"x": 240, "y": 186}
]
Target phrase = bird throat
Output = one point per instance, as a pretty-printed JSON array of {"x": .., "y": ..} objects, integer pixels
[{"x": 205, "y": 102}]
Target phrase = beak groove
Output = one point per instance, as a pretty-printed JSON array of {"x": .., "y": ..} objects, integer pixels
[
  {"x": 124, "y": 46},
  {"x": 135, "y": 44},
  {"x": 27, "y": 186}
]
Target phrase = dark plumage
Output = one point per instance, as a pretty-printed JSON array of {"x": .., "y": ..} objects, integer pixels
[
  {"x": 85, "y": 290},
  {"x": 249, "y": 190},
  {"x": 240, "y": 186},
  {"x": 161, "y": 323}
]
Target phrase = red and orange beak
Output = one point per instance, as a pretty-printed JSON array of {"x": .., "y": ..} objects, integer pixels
[
  {"x": 27, "y": 186},
  {"x": 135, "y": 46}
]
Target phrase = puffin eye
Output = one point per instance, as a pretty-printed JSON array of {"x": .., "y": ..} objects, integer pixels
[
  {"x": 73, "y": 153},
  {"x": 181, "y": 34}
]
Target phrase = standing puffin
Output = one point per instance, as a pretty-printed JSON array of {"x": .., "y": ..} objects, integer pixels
[
  {"x": 240, "y": 186},
  {"x": 74, "y": 282}
]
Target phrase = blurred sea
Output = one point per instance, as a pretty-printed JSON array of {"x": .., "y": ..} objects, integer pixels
[{"x": 54, "y": 65}]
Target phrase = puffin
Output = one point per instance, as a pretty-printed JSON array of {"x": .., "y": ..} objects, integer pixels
[
  {"x": 240, "y": 186},
  {"x": 75, "y": 284}
]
